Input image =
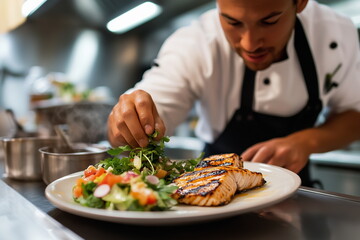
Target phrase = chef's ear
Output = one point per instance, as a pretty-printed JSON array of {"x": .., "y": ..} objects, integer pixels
[{"x": 300, "y": 5}]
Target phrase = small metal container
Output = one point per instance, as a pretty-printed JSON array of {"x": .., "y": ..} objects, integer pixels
[
  {"x": 22, "y": 157},
  {"x": 59, "y": 162}
]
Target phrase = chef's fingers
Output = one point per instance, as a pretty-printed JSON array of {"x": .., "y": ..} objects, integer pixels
[
  {"x": 131, "y": 128},
  {"x": 295, "y": 166},
  {"x": 118, "y": 133},
  {"x": 115, "y": 137},
  {"x": 286, "y": 159},
  {"x": 148, "y": 114},
  {"x": 264, "y": 154},
  {"x": 249, "y": 153},
  {"x": 123, "y": 124},
  {"x": 130, "y": 138},
  {"x": 145, "y": 106},
  {"x": 277, "y": 162}
]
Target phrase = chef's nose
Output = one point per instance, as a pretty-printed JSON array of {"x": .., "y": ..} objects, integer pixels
[{"x": 251, "y": 39}]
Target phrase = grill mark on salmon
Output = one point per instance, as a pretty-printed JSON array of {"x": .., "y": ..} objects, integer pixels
[
  {"x": 214, "y": 186},
  {"x": 196, "y": 175},
  {"x": 209, "y": 163},
  {"x": 229, "y": 159},
  {"x": 199, "y": 189}
]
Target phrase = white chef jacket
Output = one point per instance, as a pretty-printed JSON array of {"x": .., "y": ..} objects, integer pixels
[{"x": 197, "y": 65}]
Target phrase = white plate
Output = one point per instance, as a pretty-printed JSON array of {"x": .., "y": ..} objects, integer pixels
[{"x": 280, "y": 184}]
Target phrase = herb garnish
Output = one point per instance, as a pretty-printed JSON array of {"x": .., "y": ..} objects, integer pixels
[{"x": 150, "y": 160}]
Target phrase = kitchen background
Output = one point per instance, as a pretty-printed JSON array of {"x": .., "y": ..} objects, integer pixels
[{"x": 64, "y": 53}]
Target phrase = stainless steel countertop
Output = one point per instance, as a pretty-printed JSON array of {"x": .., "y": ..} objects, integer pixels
[
  {"x": 308, "y": 214},
  {"x": 338, "y": 158}
]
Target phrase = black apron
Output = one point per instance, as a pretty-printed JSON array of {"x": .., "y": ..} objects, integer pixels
[{"x": 247, "y": 127}]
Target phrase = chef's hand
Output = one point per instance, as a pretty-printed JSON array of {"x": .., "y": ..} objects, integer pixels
[
  {"x": 284, "y": 152},
  {"x": 132, "y": 119}
]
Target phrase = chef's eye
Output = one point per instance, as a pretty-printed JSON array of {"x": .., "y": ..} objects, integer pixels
[
  {"x": 270, "y": 22},
  {"x": 235, "y": 23}
]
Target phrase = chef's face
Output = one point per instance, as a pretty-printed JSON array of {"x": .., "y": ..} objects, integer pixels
[{"x": 259, "y": 30}]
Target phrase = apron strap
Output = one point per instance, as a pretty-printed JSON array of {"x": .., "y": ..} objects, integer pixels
[
  {"x": 307, "y": 62},
  {"x": 248, "y": 86}
]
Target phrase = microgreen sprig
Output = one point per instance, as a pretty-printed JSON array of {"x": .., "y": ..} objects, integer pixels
[{"x": 152, "y": 158}]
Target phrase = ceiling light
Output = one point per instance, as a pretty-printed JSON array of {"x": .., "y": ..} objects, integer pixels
[
  {"x": 10, "y": 15},
  {"x": 134, "y": 17},
  {"x": 30, "y": 6}
]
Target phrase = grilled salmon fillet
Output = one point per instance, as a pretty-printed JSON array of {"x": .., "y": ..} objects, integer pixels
[
  {"x": 229, "y": 159},
  {"x": 214, "y": 186}
]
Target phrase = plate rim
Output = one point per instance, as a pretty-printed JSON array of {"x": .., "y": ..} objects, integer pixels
[{"x": 168, "y": 217}]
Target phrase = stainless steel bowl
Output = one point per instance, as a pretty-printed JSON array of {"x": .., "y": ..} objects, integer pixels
[
  {"x": 59, "y": 162},
  {"x": 22, "y": 157}
]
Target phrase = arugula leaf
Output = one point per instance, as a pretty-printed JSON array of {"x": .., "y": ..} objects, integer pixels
[
  {"x": 88, "y": 188},
  {"x": 119, "y": 150},
  {"x": 118, "y": 165},
  {"x": 94, "y": 202}
]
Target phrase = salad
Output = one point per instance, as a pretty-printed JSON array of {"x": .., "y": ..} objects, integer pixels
[{"x": 132, "y": 179}]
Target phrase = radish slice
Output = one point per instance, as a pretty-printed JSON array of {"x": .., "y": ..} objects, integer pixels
[
  {"x": 102, "y": 190},
  {"x": 152, "y": 179}
]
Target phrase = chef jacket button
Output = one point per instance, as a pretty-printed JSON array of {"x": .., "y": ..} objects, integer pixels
[
  {"x": 266, "y": 81},
  {"x": 249, "y": 117},
  {"x": 333, "y": 45}
]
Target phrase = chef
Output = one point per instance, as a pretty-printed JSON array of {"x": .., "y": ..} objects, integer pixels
[{"x": 272, "y": 80}]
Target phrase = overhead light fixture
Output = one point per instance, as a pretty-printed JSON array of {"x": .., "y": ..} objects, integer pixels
[
  {"x": 10, "y": 15},
  {"x": 134, "y": 17},
  {"x": 30, "y": 6}
]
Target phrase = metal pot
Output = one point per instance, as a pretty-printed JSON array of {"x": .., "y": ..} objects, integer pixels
[
  {"x": 59, "y": 162},
  {"x": 86, "y": 120},
  {"x": 22, "y": 157}
]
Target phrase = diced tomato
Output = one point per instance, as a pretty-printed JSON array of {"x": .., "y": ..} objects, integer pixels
[
  {"x": 151, "y": 199},
  {"x": 100, "y": 171},
  {"x": 89, "y": 178},
  {"x": 77, "y": 191},
  {"x": 91, "y": 170},
  {"x": 142, "y": 198},
  {"x": 79, "y": 181},
  {"x": 106, "y": 179},
  {"x": 144, "y": 195},
  {"x": 111, "y": 179}
]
